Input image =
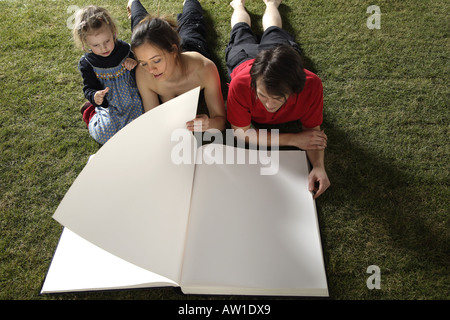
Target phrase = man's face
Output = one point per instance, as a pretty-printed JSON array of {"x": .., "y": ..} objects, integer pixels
[{"x": 271, "y": 103}]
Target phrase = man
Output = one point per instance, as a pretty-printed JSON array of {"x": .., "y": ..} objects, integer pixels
[{"x": 269, "y": 88}]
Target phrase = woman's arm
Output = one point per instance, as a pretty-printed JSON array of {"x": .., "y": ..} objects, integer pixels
[
  {"x": 210, "y": 80},
  {"x": 149, "y": 97}
]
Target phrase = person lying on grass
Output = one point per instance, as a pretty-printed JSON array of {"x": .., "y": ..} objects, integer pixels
[
  {"x": 174, "y": 59},
  {"x": 270, "y": 89}
]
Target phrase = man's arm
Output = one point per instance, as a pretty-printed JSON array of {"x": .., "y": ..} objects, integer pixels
[
  {"x": 313, "y": 140},
  {"x": 308, "y": 139},
  {"x": 318, "y": 180}
]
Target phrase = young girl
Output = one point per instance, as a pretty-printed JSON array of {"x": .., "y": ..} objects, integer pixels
[
  {"x": 108, "y": 77},
  {"x": 173, "y": 60}
]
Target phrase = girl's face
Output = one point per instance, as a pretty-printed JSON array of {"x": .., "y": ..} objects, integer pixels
[
  {"x": 160, "y": 63},
  {"x": 101, "y": 41}
]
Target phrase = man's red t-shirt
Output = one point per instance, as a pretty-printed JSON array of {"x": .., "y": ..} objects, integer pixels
[{"x": 243, "y": 107}]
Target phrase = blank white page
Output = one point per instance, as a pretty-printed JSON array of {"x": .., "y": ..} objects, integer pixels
[
  {"x": 131, "y": 199},
  {"x": 254, "y": 234},
  {"x": 78, "y": 265}
]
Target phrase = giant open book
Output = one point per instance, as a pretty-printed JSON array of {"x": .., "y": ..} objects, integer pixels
[{"x": 136, "y": 217}]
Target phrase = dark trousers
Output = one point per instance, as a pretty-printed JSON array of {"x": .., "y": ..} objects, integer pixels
[{"x": 191, "y": 25}]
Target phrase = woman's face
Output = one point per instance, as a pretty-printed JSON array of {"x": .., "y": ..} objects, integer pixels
[{"x": 160, "y": 63}]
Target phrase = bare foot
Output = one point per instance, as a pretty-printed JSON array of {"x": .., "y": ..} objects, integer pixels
[
  {"x": 236, "y": 3},
  {"x": 275, "y": 2},
  {"x": 129, "y": 8}
]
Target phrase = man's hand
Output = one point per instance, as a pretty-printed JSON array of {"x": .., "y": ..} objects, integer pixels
[
  {"x": 318, "y": 181},
  {"x": 311, "y": 140}
]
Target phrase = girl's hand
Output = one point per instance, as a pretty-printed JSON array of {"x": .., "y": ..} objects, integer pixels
[
  {"x": 100, "y": 96},
  {"x": 129, "y": 64}
]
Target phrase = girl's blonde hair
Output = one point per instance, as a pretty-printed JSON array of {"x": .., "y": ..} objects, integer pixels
[{"x": 89, "y": 19}]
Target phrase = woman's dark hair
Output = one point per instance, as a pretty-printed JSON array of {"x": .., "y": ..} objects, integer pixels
[
  {"x": 159, "y": 32},
  {"x": 280, "y": 69}
]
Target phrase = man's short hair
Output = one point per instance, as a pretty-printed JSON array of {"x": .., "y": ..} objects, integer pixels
[{"x": 281, "y": 70}]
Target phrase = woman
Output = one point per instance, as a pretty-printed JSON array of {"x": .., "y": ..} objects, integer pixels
[{"x": 172, "y": 62}]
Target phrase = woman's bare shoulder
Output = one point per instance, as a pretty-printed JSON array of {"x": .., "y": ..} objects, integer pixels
[
  {"x": 144, "y": 77},
  {"x": 197, "y": 59}
]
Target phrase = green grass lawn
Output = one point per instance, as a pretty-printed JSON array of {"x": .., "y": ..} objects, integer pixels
[{"x": 386, "y": 99}]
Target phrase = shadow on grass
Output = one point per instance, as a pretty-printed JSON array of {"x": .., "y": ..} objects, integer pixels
[
  {"x": 308, "y": 63},
  {"x": 393, "y": 203}
]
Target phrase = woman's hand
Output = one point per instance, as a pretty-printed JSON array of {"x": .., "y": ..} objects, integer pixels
[{"x": 200, "y": 123}]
